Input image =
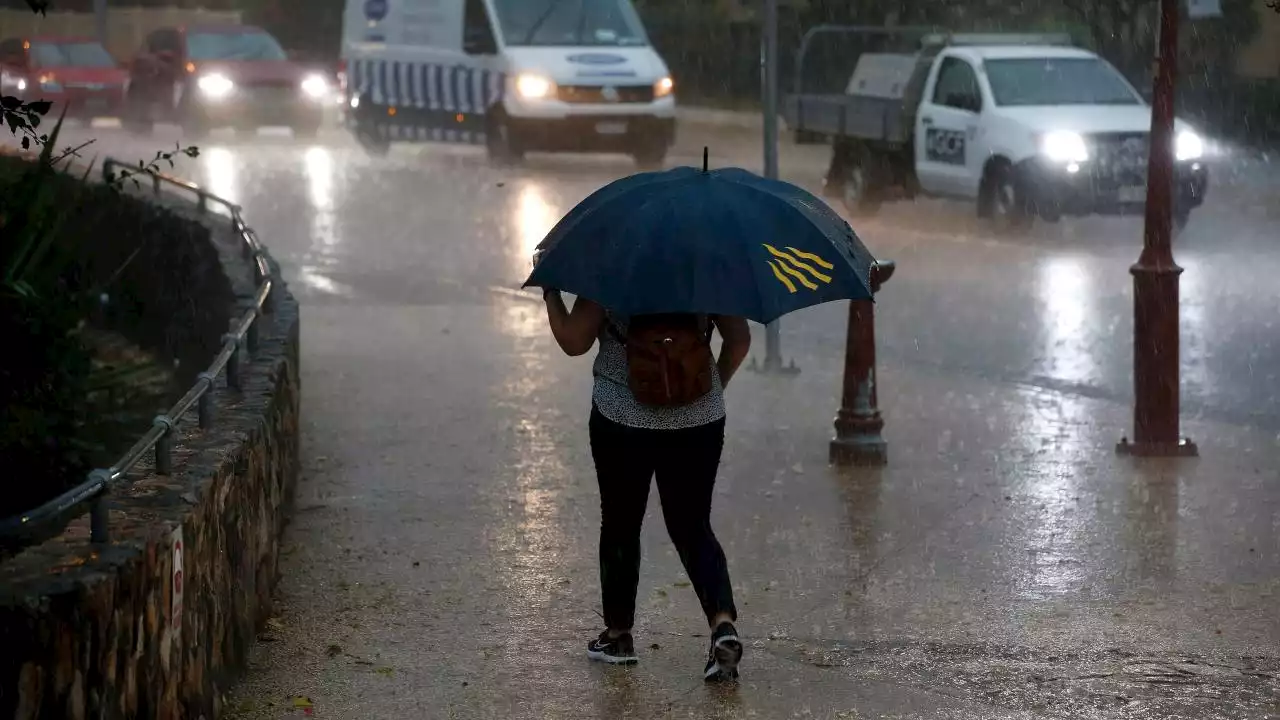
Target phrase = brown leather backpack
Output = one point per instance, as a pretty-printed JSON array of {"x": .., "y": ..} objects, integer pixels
[{"x": 669, "y": 358}]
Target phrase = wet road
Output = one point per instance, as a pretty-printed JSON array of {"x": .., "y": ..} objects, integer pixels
[
  {"x": 1053, "y": 309},
  {"x": 1005, "y": 565}
]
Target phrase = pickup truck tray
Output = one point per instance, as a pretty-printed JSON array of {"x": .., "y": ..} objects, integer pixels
[{"x": 839, "y": 115}]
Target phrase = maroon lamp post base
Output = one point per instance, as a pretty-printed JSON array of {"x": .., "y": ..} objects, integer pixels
[{"x": 858, "y": 423}]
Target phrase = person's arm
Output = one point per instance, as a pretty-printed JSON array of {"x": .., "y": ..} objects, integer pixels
[
  {"x": 575, "y": 330},
  {"x": 737, "y": 343}
]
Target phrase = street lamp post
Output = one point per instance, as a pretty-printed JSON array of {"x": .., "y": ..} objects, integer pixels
[
  {"x": 100, "y": 20},
  {"x": 769, "y": 87},
  {"x": 858, "y": 424},
  {"x": 1155, "y": 276}
]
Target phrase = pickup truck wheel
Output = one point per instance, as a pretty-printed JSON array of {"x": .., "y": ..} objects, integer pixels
[
  {"x": 1004, "y": 203},
  {"x": 857, "y": 193}
]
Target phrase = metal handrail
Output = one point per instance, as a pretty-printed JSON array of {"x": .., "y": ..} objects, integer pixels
[{"x": 160, "y": 437}]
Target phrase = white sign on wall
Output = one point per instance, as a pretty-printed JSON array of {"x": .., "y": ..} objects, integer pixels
[
  {"x": 1204, "y": 9},
  {"x": 177, "y": 582}
]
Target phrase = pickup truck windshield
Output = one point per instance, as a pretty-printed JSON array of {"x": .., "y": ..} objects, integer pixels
[
  {"x": 1057, "y": 81},
  {"x": 569, "y": 22},
  {"x": 57, "y": 55},
  {"x": 233, "y": 46}
]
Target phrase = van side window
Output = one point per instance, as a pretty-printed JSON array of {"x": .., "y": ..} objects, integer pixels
[
  {"x": 477, "y": 31},
  {"x": 957, "y": 86}
]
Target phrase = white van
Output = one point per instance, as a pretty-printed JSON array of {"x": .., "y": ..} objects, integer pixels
[{"x": 515, "y": 75}]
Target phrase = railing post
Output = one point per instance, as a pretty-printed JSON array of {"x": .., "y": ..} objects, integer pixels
[
  {"x": 155, "y": 182},
  {"x": 251, "y": 337},
  {"x": 202, "y": 201},
  {"x": 164, "y": 446},
  {"x": 99, "y": 514},
  {"x": 269, "y": 302},
  {"x": 233, "y": 362},
  {"x": 204, "y": 407},
  {"x": 858, "y": 424}
]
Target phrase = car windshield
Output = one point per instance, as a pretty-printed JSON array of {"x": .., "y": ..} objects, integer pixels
[
  {"x": 77, "y": 54},
  {"x": 1057, "y": 81},
  {"x": 233, "y": 46},
  {"x": 569, "y": 22}
]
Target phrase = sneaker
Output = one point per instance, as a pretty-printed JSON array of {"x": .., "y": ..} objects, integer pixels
[
  {"x": 616, "y": 651},
  {"x": 724, "y": 655}
]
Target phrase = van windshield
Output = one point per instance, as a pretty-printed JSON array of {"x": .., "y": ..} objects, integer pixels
[{"x": 569, "y": 22}]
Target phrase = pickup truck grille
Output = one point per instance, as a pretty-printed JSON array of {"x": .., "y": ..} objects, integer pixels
[
  {"x": 605, "y": 94},
  {"x": 1121, "y": 157}
]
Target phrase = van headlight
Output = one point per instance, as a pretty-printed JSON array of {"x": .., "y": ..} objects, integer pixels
[
  {"x": 664, "y": 87},
  {"x": 534, "y": 87},
  {"x": 215, "y": 86},
  {"x": 315, "y": 87},
  {"x": 1064, "y": 146},
  {"x": 1188, "y": 146}
]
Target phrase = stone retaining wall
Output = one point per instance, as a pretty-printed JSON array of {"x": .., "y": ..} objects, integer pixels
[{"x": 157, "y": 624}]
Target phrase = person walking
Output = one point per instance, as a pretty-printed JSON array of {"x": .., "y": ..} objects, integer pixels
[{"x": 657, "y": 411}]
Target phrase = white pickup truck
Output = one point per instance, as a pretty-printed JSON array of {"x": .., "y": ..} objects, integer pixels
[{"x": 1020, "y": 126}]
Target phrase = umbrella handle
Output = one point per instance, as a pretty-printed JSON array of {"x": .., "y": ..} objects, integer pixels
[{"x": 704, "y": 158}]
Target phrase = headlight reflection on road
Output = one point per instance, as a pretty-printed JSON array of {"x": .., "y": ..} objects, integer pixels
[
  {"x": 533, "y": 220},
  {"x": 319, "y": 164},
  {"x": 220, "y": 171},
  {"x": 1072, "y": 332}
]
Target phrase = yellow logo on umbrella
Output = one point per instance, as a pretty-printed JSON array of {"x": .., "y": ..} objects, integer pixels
[{"x": 797, "y": 266}]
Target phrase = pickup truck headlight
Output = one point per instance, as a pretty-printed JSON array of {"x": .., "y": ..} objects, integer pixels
[
  {"x": 1063, "y": 146},
  {"x": 664, "y": 87},
  {"x": 315, "y": 86},
  {"x": 1188, "y": 146},
  {"x": 215, "y": 86},
  {"x": 534, "y": 87}
]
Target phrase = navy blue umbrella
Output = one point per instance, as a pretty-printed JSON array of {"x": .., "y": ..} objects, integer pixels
[{"x": 724, "y": 242}]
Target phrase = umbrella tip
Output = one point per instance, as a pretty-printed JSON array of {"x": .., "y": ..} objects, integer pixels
[{"x": 704, "y": 158}]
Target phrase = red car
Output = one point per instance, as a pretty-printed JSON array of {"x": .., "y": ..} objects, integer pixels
[
  {"x": 75, "y": 74},
  {"x": 206, "y": 77}
]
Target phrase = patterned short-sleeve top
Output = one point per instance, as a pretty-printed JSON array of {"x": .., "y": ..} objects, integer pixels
[{"x": 613, "y": 398}]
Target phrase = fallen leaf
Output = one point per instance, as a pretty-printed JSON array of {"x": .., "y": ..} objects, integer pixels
[
  {"x": 388, "y": 672},
  {"x": 682, "y": 584},
  {"x": 301, "y": 702},
  {"x": 333, "y": 650}
]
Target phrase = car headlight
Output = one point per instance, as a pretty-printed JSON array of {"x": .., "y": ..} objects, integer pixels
[
  {"x": 664, "y": 87},
  {"x": 215, "y": 85},
  {"x": 1064, "y": 146},
  {"x": 534, "y": 87},
  {"x": 315, "y": 86},
  {"x": 1188, "y": 146}
]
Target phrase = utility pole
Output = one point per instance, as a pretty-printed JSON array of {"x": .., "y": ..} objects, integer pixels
[
  {"x": 1156, "y": 345},
  {"x": 769, "y": 80}
]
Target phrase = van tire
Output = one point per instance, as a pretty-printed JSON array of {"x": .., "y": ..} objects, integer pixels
[
  {"x": 650, "y": 158},
  {"x": 502, "y": 148}
]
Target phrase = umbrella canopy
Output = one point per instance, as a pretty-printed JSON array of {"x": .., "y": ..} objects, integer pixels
[{"x": 724, "y": 242}]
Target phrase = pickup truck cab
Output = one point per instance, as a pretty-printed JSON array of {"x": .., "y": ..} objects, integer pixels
[
  {"x": 76, "y": 74},
  {"x": 1021, "y": 129},
  {"x": 207, "y": 77}
]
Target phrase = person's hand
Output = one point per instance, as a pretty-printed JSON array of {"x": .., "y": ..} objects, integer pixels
[{"x": 537, "y": 256}]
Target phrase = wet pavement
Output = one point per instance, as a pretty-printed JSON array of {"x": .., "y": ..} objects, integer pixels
[{"x": 1005, "y": 565}]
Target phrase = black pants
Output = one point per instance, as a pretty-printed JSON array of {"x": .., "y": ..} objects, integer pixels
[{"x": 685, "y": 463}]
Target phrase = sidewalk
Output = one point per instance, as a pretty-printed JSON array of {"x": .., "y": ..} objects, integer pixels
[{"x": 1006, "y": 564}]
